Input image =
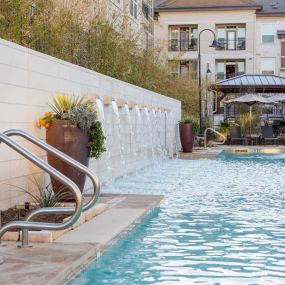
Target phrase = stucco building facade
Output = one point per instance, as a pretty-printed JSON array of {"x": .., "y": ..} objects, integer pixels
[{"x": 250, "y": 33}]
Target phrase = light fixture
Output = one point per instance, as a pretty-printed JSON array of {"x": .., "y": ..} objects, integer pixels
[
  {"x": 208, "y": 69},
  {"x": 215, "y": 44}
]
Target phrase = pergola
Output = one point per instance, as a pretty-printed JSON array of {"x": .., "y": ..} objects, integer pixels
[
  {"x": 257, "y": 83},
  {"x": 254, "y": 83}
]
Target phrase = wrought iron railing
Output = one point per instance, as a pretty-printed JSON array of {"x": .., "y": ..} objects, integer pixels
[
  {"x": 183, "y": 45},
  {"x": 238, "y": 44}
]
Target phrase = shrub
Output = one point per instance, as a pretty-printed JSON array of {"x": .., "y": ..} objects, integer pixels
[
  {"x": 193, "y": 121},
  {"x": 81, "y": 113},
  {"x": 67, "y": 33}
]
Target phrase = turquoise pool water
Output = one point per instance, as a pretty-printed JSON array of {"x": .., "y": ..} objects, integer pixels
[{"x": 222, "y": 222}]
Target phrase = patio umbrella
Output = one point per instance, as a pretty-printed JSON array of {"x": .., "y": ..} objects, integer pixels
[
  {"x": 250, "y": 99},
  {"x": 278, "y": 98}
]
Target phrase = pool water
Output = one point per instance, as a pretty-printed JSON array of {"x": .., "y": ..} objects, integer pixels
[{"x": 222, "y": 222}]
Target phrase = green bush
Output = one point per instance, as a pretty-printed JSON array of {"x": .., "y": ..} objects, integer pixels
[
  {"x": 224, "y": 129},
  {"x": 193, "y": 121},
  {"x": 67, "y": 33}
]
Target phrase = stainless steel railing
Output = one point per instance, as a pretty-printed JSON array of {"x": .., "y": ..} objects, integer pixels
[
  {"x": 65, "y": 158},
  {"x": 216, "y": 132},
  {"x": 68, "y": 160},
  {"x": 55, "y": 174}
]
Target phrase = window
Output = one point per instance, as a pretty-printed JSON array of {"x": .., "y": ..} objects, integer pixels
[
  {"x": 134, "y": 8},
  {"x": 184, "y": 68},
  {"x": 231, "y": 37},
  {"x": 267, "y": 65},
  {"x": 268, "y": 33},
  {"x": 283, "y": 55},
  {"x": 147, "y": 8},
  {"x": 229, "y": 68},
  {"x": 183, "y": 38}
]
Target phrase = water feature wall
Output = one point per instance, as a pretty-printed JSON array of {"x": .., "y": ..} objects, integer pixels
[
  {"x": 139, "y": 124},
  {"x": 137, "y": 136}
]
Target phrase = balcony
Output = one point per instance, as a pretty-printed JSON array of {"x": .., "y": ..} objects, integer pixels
[
  {"x": 183, "y": 45},
  {"x": 238, "y": 44}
]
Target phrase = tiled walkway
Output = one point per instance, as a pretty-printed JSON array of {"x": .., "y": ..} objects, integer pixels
[{"x": 54, "y": 263}]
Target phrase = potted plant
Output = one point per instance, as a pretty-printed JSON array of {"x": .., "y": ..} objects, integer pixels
[
  {"x": 188, "y": 128},
  {"x": 72, "y": 127}
]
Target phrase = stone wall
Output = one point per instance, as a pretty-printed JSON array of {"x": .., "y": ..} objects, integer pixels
[{"x": 28, "y": 79}]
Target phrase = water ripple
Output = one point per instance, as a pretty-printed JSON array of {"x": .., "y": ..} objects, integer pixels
[{"x": 222, "y": 222}]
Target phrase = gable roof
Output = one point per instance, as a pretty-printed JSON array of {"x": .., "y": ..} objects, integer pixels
[
  {"x": 254, "y": 82},
  {"x": 206, "y": 4}
]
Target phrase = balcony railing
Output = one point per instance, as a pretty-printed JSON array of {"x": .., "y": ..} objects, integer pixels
[
  {"x": 182, "y": 45},
  {"x": 191, "y": 75},
  {"x": 222, "y": 76},
  {"x": 238, "y": 44}
]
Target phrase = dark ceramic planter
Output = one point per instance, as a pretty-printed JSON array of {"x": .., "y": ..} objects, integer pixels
[
  {"x": 74, "y": 142},
  {"x": 186, "y": 137}
]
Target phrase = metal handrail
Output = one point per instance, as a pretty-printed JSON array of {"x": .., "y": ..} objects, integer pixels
[
  {"x": 62, "y": 156},
  {"x": 57, "y": 175},
  {"x": 214, "y": 131},
  {"x": 68, "y": 160}
]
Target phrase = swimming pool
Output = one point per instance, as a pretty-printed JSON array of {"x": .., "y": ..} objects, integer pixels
[{"x": 222, "y": 222}]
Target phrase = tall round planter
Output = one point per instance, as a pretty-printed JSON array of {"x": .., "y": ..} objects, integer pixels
[
  {"x": 186, "y": 137},
  {"x": 74, "y": 142}
]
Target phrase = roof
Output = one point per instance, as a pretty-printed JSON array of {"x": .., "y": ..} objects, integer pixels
[
  {"x": 271, "y": 7},
  {"x": 262, "y": 7},
  {"x": 254, "y": 83},
  {"x": 206, "y": 4}
]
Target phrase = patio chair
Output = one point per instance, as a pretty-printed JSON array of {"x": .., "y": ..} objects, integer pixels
[
  {"x": 236, "y": 135},
  {"x": 267, "y": 134}
]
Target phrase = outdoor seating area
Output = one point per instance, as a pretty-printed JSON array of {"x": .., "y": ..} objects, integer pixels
[
  {"x": 253, "y": 109},
  {"x": 267, "y": 136}
]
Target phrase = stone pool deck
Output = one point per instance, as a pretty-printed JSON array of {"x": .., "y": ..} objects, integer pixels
[
  {"x": 199, "y": 153},
  {"x": 55, "y": 263}
]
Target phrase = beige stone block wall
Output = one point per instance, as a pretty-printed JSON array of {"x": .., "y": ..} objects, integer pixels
[{"x": 28, "y": 79}]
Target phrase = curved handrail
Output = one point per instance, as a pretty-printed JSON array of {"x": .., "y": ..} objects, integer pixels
[
  {"x": 57, "y": 175},
  {"x": 214, "y": 131},
  {"x": 65, "y": 158}
]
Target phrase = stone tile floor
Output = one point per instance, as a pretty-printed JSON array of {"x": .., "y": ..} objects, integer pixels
[{"x": 55, "y": 263}]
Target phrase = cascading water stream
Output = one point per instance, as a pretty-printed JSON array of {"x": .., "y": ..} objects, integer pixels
[
  {"x": 101, "y": 117},
  {"x": 135, "y": 137},
  {"x": 131, "y": 142},
  {"x": 139, "y": 136},
  {"x": 149, "y": 135},
  {"x": 118, "y": 128}
]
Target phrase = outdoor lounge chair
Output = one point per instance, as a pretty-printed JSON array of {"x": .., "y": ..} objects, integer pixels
[
  {"x": 235, "y": 135},
  {"x": 268, "y": 135}
]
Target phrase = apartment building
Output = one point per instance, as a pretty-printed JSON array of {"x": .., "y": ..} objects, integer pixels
[
  {"x": 135, "y": 15},
  {"x": 251, "y": 34}
]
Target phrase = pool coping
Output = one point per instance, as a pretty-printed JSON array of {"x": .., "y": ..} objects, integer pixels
[
  {"x": 59, "y": 262},
  {"x": 101, "y": 248}
]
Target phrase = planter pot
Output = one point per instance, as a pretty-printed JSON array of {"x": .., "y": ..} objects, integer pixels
[
  {"x": 74, "y": 142},
  {"x": 186, "y": 137}
]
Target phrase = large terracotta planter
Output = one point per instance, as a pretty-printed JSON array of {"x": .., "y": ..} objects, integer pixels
[
  {"x": 74, "y": 142},
  {"x": 186, "y": 137}
]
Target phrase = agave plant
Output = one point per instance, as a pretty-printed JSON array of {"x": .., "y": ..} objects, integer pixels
[
  {"x": 44, "y": 196},
  {"x": 62, "y": 103}
]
